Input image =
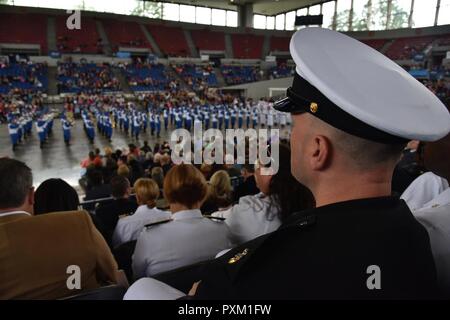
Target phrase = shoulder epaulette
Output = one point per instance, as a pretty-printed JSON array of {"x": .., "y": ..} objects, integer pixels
[
  {"x": 157, "y": 222},
  {"x": 216, "y": 218}
]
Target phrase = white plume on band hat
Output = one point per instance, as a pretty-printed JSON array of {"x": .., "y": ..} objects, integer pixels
[{"x": 367, "y": 85}]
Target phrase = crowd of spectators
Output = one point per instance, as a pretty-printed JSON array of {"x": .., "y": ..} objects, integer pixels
[
  {"x": 86, "y": 77},
  {"x": 22, "y": 75},
  {"x": 241, "y": 74},
  {"x": 197, "y": 77}
]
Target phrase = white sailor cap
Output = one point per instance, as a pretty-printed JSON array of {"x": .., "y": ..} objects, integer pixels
[{"x": 356, "y": 89}]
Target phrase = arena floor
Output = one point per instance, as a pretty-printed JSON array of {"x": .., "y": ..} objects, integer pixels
[{"x": 58, "y": 160}]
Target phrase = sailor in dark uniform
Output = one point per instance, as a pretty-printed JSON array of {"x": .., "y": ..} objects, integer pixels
[{"x": 348, "y": 133}]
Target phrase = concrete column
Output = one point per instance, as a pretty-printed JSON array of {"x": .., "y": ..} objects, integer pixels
[{"x": 245, "y": 15}]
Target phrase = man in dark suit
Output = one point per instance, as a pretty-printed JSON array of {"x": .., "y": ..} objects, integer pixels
[
  {"x": 248, "y": 187},
  {"x": 108, "y": 213},
  {"x": 359, "y": 242}
]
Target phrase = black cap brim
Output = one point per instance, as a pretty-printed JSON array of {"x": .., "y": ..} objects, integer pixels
[{"x": 303, "y": 97}]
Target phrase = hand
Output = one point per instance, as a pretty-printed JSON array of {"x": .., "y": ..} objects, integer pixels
[{"x": 194, "y": 289}]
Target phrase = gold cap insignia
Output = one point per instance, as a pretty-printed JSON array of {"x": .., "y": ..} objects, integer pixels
[
  {"x": 238, "y": 256},
  {"x": 313, "y": 107}
]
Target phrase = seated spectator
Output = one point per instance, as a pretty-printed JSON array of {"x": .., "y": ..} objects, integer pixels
[
  {"x": 98, "y": 189},
  {"x": 128, "y": 228},
  {"x": 146, "y": 148},
  {"x": 89, "y": 160},
  {"x": 166, "y": 163},
  {"x": 123, "y": 171},
  {"x": 54, "y": 195},
  {"x": 108, "y": 213},
  {"x": 185, "y": 239},
  {"x": 263, "y": 213},
  {"x": 37, "y": 250},
  {"x": 158, "y": 176},
  {"x": 428, "y": 198},
  {"x": 219, "y": 193},
  {"x": 248, "y": 187}
]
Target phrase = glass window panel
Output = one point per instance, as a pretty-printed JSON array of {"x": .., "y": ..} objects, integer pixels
[
  {"x": 219, "y": 17},
  {"x": 328, "y": 13},
  {"x": 153, "y": 10},
  {"x": 187, "y": 13},
  {"x": 343, "y": 14},
  {"x": 302, "y": 12},
  {"x": 424, "y": 13},
  {"x": 314, "y": 10},
  {"x": 259, "y": 21},
  {"x": 232, "y": 18},
  {"x": 400, "y": 10},
  {"x": 279, "y": 22},
  {"x": 444, "y": 12},
  {"x": 359, "y": 18},
  {"x": 270, "y": 23},
  {"x": 171, "y": 11},
  {"x": 378, "y": 15},
  {"x": 290, "y": 20},
  {"x": 203, "y": 15}
]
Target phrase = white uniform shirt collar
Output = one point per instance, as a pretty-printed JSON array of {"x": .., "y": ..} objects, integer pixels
[
  {"x": 187, "y": 214},
  {"x": 10, "y": 213}
]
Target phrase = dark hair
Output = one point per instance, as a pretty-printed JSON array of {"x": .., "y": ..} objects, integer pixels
[
  {"x": 16, "y": 180},
  {"x": 95, "y": 177},
  {"x": 119, "y": 186},
  {"x": 289, "y": 195},
  {"x": 91, "y": 155},
  {"x": 249, "y": 167},
  {"x": 55, "y": 195},
  {"x": 97, "y": 151}
]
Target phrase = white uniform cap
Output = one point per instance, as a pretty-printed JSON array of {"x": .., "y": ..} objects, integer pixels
[{"x": 359, "y": 90}]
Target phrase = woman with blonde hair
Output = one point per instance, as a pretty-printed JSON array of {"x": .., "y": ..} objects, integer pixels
[
  {"x": 188, "y": 237},
  {"x": 220, "y": 193},
  {"x": 128, "y": 228}
]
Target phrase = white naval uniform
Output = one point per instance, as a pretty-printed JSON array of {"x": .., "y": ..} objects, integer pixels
[
  {"x": 187, "y": 239},
  {"x": 270, "y": 119},
  {"x": 282, "y": 117},
  {"x": 250, "y": 218},
  {"x": 129, "y": 228},
  {"x": 428, "y": 197}
]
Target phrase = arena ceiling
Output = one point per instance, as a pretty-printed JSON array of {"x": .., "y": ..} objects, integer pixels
[{"x": 266, "y": 7}]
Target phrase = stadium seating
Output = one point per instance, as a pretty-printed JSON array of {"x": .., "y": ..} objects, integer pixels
[
  {"x": 377, "y": 44},
  {"x": 146, "y": 77},
  {"x": 406, "y": 48},
  {"x": 247, "y": 46},
  {"x": 239, "y": 74},
  {"x": 31, "y": 77},
  {"x": 208, "y": 40},
  {"x": 85, "y": 40},
  {"x": 125, "y": 34},
  {"x": 23, "y": 24},
  {"x": 89, "y": 77},
  {"x": 170, "y": 40},
  {"x": 195, "y": 75},
  {"x": 279, "y": 43},
  {"x": 281, "y": 71}
]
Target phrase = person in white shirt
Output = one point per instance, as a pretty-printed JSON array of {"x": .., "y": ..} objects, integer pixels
[
  {"x": 128, "y": 228},
  {"x": 428, "y": 198},
  {"x": 263, "y": 213},
  {"x": 188, "y": 237}
]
